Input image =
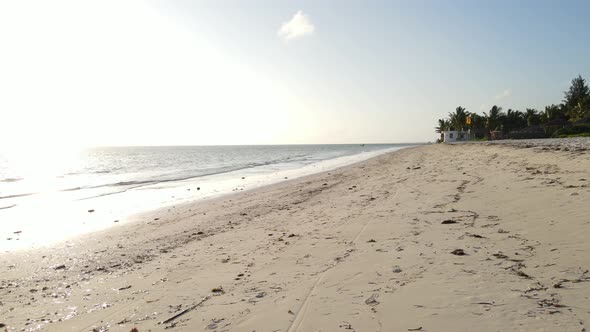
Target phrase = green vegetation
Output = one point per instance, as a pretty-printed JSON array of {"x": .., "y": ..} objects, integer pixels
[{"x": 569, "y": 119}]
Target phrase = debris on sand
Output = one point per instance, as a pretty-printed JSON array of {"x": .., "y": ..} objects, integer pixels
[
  {"x": 458, "y": 252},
  {"x": 185, "y": 310},
  {"x": 477, "y": 236},
  {"x": 500, "y": 255},
  {"x": 522, "y": 274},
  {"x": 372, "y": 300},
  {"x": 217, "y": 290}
]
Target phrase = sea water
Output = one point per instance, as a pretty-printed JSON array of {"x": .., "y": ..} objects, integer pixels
[{"x": 50, "y": 196}]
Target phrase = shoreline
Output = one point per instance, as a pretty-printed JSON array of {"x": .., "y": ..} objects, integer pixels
[
  {"x": 74, "y": 218},
  {"x": 363, "y": 247}
]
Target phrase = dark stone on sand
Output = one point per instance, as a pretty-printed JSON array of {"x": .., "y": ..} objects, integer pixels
[
  {"x": 198, "y": 188},
  {"x": 291, "y": 235},
  {"x": 18, "y": 232},
  {"x": 449, "y": 221},
  {"x": 458, "y": 252},
  {"x": 116, "y": 221},
  {"x": 2, "y": 325},
  {"x": 91, "y": 210},
  {"x": 59, "y": 267},
  {"x": 371, "y": 241}
]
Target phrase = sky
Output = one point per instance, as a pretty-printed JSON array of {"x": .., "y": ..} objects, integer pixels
[{"x": 182, "y": 72}]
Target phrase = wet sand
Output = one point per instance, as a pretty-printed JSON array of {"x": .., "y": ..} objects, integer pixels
[{"x": 435, "y": 238}]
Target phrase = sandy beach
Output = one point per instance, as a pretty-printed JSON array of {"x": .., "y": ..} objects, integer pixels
[{"x": 469, "y": 237}]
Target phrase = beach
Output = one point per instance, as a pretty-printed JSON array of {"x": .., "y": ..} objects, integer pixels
[{"x": 466, "y": 237}]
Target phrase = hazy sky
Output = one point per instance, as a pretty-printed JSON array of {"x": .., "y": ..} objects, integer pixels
[{"x": 79, "y": 73}]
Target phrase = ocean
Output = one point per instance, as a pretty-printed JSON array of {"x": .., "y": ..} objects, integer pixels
[{"x": 46, "y": 197}]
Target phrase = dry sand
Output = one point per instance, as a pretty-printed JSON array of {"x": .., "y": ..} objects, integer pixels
[{"x": 368, "y": 247}]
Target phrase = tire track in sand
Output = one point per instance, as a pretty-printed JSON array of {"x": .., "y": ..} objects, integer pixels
[{"x": 302, "y": 312}]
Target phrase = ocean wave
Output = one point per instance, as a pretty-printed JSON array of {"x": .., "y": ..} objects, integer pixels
[
  {"x": 152, "y": 181},
  {"x": 16, "y": 195},
  {"x": 11, "y": 179}
]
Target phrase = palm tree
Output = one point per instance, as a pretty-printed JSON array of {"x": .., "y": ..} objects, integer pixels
[
  {"x": 578, "y": 111},
  {"x": 554, "y": 112},
  {"x": 443, "y": 125},
  {"x": 514, "y": 120},
  {"x": 532, "y": 117},
  {"x": 493, "y": 119},
  {"x": 458, "y": 118},
  {"x": 478, "y": 124}
]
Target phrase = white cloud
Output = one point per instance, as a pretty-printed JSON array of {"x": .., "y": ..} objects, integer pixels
[
  {"x": 299, "y": 26},
  {"x": 504, "y": 94}
]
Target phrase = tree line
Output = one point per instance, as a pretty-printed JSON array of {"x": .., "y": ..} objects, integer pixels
[{"x": 570, "y": 118}]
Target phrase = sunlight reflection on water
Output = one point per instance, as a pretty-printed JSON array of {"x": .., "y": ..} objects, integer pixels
[{"x": 53, "y": 215}]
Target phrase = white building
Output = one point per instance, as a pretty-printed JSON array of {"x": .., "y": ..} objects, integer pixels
[{"x": 454, "y": 136}]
